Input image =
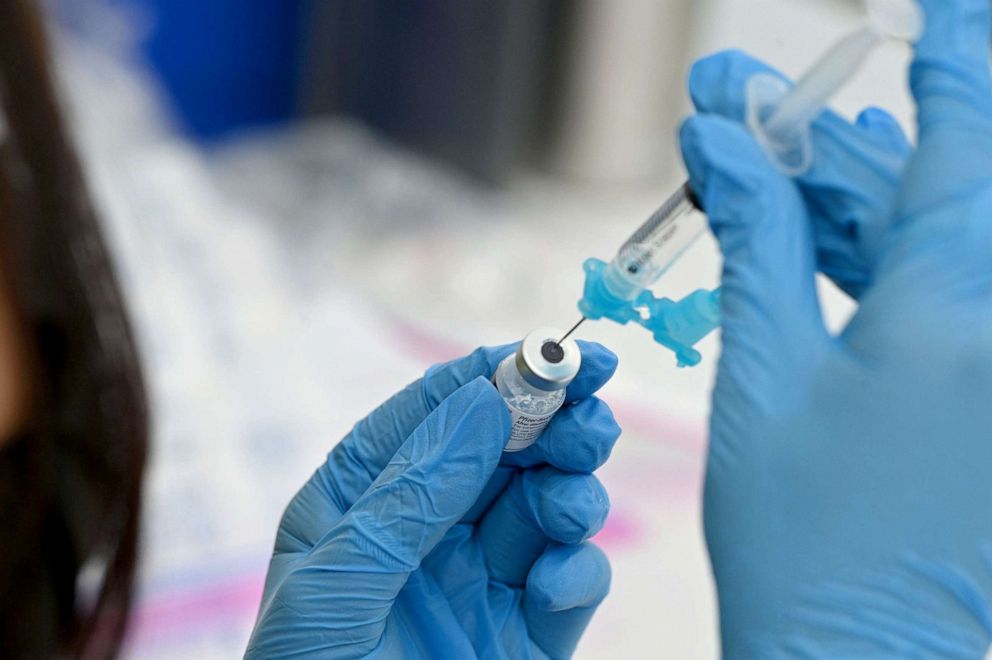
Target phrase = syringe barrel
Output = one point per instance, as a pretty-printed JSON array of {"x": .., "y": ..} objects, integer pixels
[
  {"x": 682, "y": 202},
  {"x": 611, "y": 289},
  {"x": 656, "y": 245}
]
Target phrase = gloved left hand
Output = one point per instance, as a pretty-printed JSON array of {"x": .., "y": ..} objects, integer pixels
[
  {"x": 418, "y": 537},
  {"x": 847, "y": 495}
]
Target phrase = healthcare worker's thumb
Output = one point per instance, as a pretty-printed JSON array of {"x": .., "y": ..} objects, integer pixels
[
  {"x": 430, "y": 483},
  {"x": 770, "y": 312}
]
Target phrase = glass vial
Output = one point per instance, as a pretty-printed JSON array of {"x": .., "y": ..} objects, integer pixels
[{"x": 532, "y": 381}]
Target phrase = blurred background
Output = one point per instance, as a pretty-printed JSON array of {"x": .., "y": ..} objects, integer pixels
[{"x": 310, "y": 201}]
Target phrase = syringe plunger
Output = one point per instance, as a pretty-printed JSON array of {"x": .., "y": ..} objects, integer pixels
[{"x": 779, "y": 115}]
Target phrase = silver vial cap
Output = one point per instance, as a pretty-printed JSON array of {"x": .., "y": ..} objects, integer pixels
[{"x": 547, "y": 367}]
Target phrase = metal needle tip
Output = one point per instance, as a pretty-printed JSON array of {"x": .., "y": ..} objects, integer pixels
[{"x": 574, "y": 328}]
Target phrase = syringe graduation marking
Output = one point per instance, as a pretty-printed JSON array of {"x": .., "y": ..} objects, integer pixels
[{"x": 673, "y": 207}]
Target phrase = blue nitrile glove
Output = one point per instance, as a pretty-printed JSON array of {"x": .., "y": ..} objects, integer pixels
[
  {"x": 848, "y": 499},
  {"x": 414, "y": 541}
]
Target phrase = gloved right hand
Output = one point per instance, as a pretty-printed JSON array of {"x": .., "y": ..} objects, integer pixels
[{"x": 848, "y": 500}]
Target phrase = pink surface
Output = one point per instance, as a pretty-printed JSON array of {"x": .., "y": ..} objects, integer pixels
[
  {"x": 619, "y": 532},
  {"x": 647, "y": 424},
  {"x": 421, "y": 344},
  {"x": 163, "y": 616}
]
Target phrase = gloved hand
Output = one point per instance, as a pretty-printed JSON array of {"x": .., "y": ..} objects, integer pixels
[
  {"x": 848, "y": 497},
  {"x": 419, "y": 538}
]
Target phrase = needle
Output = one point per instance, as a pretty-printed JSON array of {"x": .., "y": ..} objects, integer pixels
[{"x": 574, "y": 328}]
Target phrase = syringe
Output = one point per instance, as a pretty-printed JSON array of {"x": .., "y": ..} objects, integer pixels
[
  {"x": 779, "y": 116},
  {"x": 620, "y": 290}
]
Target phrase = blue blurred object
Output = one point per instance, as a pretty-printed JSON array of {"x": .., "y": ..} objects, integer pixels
[
  {"x": 227, "y": 64},
  {"x": 412, "y": 540},
  {"x": 847, "y": 494}
]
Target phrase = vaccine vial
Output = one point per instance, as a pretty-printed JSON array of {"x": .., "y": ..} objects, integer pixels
[{"x": 532, "y": 381}]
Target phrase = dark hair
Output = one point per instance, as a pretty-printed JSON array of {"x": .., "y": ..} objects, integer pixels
[{"x": 70, "y": 486}]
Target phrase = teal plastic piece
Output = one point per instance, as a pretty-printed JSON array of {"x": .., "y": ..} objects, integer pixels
[
  {"x": 680, "y": 325},
  {"x": 598, "y": 302},
  {"x": 676, "y": 325}
]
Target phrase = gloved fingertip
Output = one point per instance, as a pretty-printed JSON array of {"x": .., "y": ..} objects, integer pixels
[
  {"x": 717, "y": 82},
  {"x": 875, "y": 118},
  {"x": 598, "y": 356},
  {"x": 724, "y": 162},
  {"x": 597, "y": 416},
  {"x": 598, "y": 366},
  {"x": 884, "y": 127},
  {"x": 690, "y": 135},
  {"x": 441, "y": 380},
  {"x": 706, "y": 79},
  {"x": 569, "y": 577},
  {"x": 572, "y": 507},
  {"x": 581, "y": 438}
]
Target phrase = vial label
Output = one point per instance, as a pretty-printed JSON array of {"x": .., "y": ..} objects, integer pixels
[{"x": 525, "y": 429}]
